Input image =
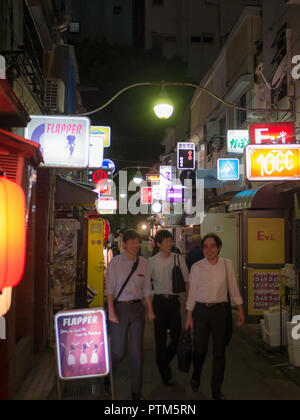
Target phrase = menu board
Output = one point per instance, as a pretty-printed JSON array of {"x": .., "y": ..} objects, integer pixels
[{"x": 82, "y": 344}]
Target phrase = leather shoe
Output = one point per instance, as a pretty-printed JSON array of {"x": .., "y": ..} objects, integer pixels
[
  {"x": 195, "y": 385},
  {"x": 218, "y": 397}
]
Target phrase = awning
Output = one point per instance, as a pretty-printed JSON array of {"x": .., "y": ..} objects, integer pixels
[
  {"x": 70, "y": 193},
  {"x": 12, "y": 112},
  {"x": 264, "y": 197},
  {"x": 12, "y": 143}
]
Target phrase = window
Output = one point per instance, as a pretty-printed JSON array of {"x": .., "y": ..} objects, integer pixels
[
  {"x": 196, "y": 39},
  {"x": 74, "y": 27},
  {"x": 157, "y": 2},
  {"x": 207, "y": 38},
  {"x": 170, "y": 38},
  {"x": 204, "y": 38},
  {"x": 117, "y": 10}
]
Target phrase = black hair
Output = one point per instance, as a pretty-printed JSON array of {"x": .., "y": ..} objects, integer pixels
[
  {"x": 213, "y": 236},
  {"x": 161, "y": 235},
  {"x": 130, "y": 234}
]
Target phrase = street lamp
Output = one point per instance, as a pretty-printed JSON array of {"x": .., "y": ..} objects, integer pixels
[
  {"x": 138, "y": 178},
  {"x": 163, "y": 84},
  {"x": 163, "y": 109}
]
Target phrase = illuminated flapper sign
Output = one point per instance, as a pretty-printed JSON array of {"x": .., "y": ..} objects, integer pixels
[
  {"x": 272, "y": 133},
  {"x": 273, "y": 163},
  {"x": 82, "y": 344},
  {"x": 64, "y": 140}
]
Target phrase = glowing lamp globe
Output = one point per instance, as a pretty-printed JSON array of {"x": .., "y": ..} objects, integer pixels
[
  {"x": 164, "y": 110},
  {"x": 12, "y": 233}
]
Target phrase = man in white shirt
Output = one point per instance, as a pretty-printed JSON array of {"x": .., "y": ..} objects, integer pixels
[
  {"x": 211, "y": 280},
  {"x": 166, "y": 304}
]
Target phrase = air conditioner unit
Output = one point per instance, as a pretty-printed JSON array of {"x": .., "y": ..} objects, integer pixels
[{"x": 55, "y": 95}]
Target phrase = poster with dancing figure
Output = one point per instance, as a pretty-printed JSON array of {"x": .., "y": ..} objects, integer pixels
[{"x": 82, "y": 344}]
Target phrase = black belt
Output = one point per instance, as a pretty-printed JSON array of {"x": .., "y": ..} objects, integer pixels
[
  {"x": 168, "y": 296},
  {"x": 210, "y": 305},
  {"x": 129, "y": 302}
]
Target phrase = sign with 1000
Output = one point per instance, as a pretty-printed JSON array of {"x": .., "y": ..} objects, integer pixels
[{"x": 273, "y": 163}]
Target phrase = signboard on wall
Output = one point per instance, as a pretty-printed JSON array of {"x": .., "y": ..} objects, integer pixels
[
  {"x": 64, "y": 141},
  {"x": 276, "y": 133},
  {"x": 186, "y": 155},
  {"x": 273, "y": 163},
  {"x": 237, "y": 140},
  {"x": 264, "y": 290},
  {"x": 102, "y": 132},
  {"x": 82, "y": 344},
  {"x": 95, "y": 268},
  {"x": 228, "y": 169},
  {"x": 266, "y": 241}
]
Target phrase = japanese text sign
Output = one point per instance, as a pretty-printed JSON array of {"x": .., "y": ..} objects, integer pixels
[
  {"x": 272, "y": 133},
  {"x": 186, "y": 155},
  {"x": 237, "y": 140},
  {"x": 82, "y": 344},
  {"x": 273, "y": 163}
]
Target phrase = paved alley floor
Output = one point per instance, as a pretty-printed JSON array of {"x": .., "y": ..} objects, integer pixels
[{"x": 249, "y": 376}]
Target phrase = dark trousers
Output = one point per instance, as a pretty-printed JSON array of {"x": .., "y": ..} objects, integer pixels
[
  {"x": 210, "y": 321},
  {"x": 131, "y": 319},
  {"x": 167, "y": 317}
]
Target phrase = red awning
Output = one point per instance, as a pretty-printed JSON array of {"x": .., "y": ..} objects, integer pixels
[
  {"x": 12, "y": 112},
  {"x": 12, "y": 143}
]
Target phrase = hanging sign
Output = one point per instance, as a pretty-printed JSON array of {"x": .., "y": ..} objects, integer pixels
[
  {"x": 152, "y": 177},
  {"x": 102, "y": 132},
  {"x": 237, "y": 140},
  {"x": 228, "y": 169},
  {"x": 146, "y": 193},
  {"x": 96, "y": 151},
  {"x": 82, "y": 344},
  {"x": 64, "y": 141},
  {"x": 273, "y": 163},
  {"x": 186, "y": 155},
  {"x": 272, "y": 133},
  {"x": 165, "y": 180}
]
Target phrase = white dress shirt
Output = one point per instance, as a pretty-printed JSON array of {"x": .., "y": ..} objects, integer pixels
[
  {"x": 161, "y": 272},
  {"x": 208, "y": 283}
]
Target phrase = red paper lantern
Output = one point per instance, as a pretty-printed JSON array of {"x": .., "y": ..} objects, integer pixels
[{"x": 12, "y": 233}]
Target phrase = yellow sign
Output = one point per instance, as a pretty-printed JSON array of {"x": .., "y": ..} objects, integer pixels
[
  {"x": 265, "y": 289},
  {"x": 95, "y": 270},
  {"x": 266, "y": 241},
  {"x": 273, "y": 163},
  {"x": 104, "y": 132}
]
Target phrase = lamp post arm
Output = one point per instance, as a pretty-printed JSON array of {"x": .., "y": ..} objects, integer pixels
[{"x": 184, "y": 84}]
